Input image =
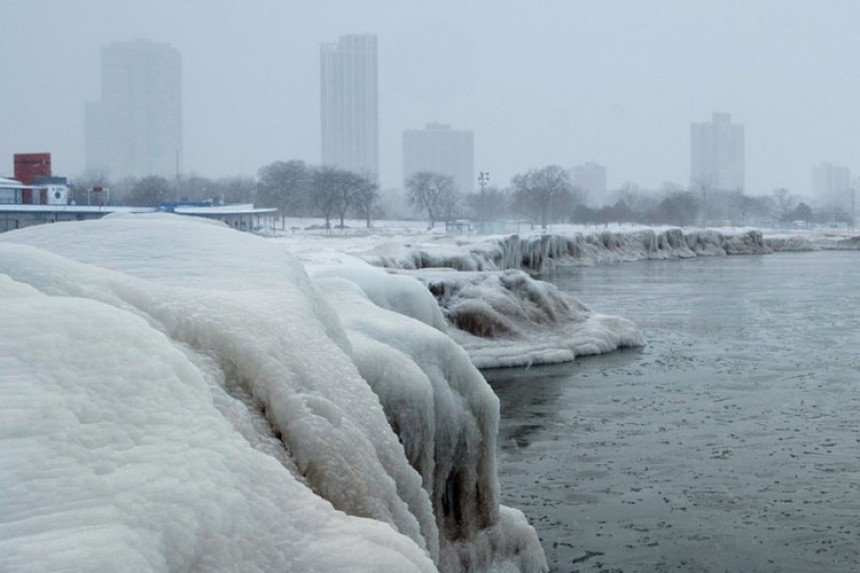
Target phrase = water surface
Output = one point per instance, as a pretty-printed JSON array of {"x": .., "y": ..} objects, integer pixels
[{"x": 730, "y": 443}]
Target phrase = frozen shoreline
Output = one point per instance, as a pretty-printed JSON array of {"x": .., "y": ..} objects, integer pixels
[
  {"x": 499, "y": 314},
  {"x": 179, "y": 395}
]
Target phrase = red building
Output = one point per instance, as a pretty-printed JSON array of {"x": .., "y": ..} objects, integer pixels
[{"x": 29, "y": 165}]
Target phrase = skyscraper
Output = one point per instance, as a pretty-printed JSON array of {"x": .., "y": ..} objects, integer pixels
[
  {"x": 443, "y": 150},
  {"x": 349, "y": 104},
  {"x": 831, "y": 186},
  {"x": 717, "y": 154},
  {"x": 591, "y": 178},
  {"x": 136, "y": 128}
]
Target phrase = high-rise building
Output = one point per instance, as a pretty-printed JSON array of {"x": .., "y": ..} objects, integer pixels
[
  {"x": 136, "y": 128},
  {"x": 717, "y": 154},
  {"x": 591, "y": 178},
  {"x": 831, "y": 186},
  {"x": 442, "y": 149},
  {"x": 350, "y": 105}
]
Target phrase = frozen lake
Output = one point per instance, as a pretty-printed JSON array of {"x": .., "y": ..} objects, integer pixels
[{"x": 730, "y": 443}]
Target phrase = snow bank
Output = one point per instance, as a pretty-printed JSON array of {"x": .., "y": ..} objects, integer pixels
[
  {"x": 537, "y": 252},
  {"x": 181, "y": 396}
]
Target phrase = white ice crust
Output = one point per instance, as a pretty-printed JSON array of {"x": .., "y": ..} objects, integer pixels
[{"x": 180, "y": 396}]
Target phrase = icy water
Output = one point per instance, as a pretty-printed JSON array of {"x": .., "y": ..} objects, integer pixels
[{"x": 730, "y": 443}]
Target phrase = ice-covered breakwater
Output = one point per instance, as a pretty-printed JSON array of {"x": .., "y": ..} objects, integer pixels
[
  {"x": 177, "y": 395},
  {"x": 538, "y": 252}
]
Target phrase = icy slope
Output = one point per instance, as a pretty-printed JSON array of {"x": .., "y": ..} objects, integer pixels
[{"x": 178, "y": 396}]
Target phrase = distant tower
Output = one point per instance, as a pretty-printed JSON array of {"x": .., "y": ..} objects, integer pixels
[
  {"x": 443, "y": 150},
  {"x": 717, "y": 154},
  {"x": 349, "y": 104},
  {"x": 831, "y": 187},
  {"x": 136, "y": 128},
  {"x": 591, "y": 178}
]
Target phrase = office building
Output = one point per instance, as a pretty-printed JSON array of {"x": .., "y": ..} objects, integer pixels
[
  {"x": 831, "y": 186},
  {"x": 441, "y": 149},
  {"x": 136, "y": 128},
  {"x": 717, "y": 155},
  {"x": 349, "y": 104},
  {"x": 591, "y": 178}
]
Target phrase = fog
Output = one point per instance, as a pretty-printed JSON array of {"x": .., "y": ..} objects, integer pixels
[{"x": 616, "y": 82}]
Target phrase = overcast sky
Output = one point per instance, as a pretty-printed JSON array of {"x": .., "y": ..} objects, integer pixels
[{"x": 539, "y": 82}]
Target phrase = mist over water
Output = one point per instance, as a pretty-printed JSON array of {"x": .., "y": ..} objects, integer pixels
[{"x": 729, "y": 443}]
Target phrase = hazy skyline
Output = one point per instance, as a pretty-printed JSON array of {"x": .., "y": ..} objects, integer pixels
[{"x": 614, "y": 82}]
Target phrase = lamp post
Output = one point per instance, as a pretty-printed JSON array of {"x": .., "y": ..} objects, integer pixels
[{"x": 483, "y": 179}]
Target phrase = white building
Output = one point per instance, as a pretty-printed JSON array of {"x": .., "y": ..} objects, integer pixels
[
  {"x": 349, "y": 104},
  {"x": 717, "y": 154},
  {"x": 442, "y": 149},
  {"x": 831, "y": 187},
  {"x": 591, "y": 178},
  {"x": 136, "y": 128}
]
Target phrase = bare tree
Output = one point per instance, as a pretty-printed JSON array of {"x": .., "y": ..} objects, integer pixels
[
  {"x": 149, "y": 191},
  {"x": 784, "y": 203},
  {"x": 326, "y": 188},
  {"x": 542, "y": 190},
  {"x": 677, "y": 208},
  {"x": 238, "y": 189},
  {"x": 366, "y": 197},
  {"x": 283, "y": 185},
  {"x": 432, "y": 192},
  {"x": 347, "y": 184}
]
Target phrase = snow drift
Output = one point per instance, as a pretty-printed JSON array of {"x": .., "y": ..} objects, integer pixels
[{"x": 177, "y": 395}]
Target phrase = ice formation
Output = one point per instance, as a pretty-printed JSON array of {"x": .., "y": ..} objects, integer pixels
[
  {"x": 177, "y": 395},
  {"x": 507, "y": 318},
  {"x": 537, "y": 252}
]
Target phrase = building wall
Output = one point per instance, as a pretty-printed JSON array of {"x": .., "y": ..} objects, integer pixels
[
  {"x": 30, "y": 165},
  {"x": 831, "y": 186},
  {"x": 442, "y": 149},
  {"x": 349, "y": 104},
  {"x": 591, "y": 178},
  {"x": 717, "y": 154},
  {"x": 136, "y": 128}
]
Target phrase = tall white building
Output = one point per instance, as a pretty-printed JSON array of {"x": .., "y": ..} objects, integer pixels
[
  {"x": 442, "y": 149},
  {"x": 591, "y": 178},
  {"x": 831, "y": 186},
  {"x": 136, "y": 128},
  {"x": 717, "y": 154},
  {"x": 349, "y": 104}
]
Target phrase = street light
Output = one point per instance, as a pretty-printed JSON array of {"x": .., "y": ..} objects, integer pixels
[{"x": 483, "y": 179}]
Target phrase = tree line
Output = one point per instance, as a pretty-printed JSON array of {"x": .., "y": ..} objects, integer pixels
[
  {"x": 293, "y": 187},
  {"x": 544, "y": 196}
]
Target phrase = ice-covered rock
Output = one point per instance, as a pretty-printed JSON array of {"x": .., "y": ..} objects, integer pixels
[
  {"x": 507, "y": 318},
  {"x": 177, "y": 395}
]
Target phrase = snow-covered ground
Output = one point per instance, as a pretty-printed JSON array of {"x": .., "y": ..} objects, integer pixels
[{"x": 178, "y": 396}]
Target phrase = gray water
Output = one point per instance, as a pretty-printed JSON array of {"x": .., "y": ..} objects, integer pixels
[{"x": 731, "y": 442}]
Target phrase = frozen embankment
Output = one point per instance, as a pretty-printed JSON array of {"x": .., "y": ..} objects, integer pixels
[
  {"x": 503, "y": 317},
  {"x": 178, "y": 396},
  {"x": 538, "y": 252}
]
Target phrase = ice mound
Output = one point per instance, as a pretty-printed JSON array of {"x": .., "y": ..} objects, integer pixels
[
  {"x": 180, "y": 396},
  {"x": 506, "y": 319},
  {"x": 447, "y": 419}
]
